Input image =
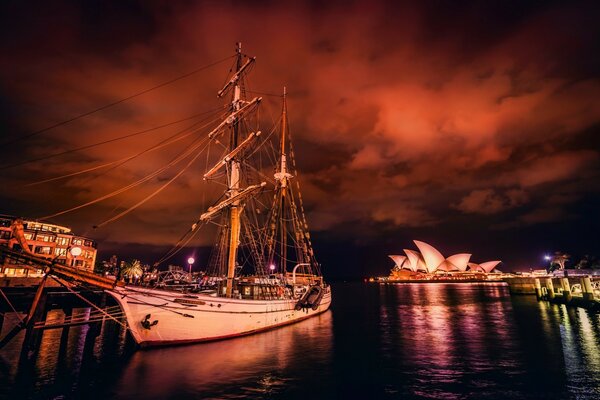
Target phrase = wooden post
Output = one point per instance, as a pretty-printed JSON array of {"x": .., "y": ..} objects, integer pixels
[
  {"x": 29, "y": 318},
  {"x": 587, "y": 289},
  {"x": 566, "y": 286},
  {"x": 90, "y": 337},
  {"x": 38, "y": 334},
  {"x": 538, "y": 288},
  {"x": 550, "y": 287},
  {"x": 64, "y": 335},
  {"x": 33, "y": 336}
]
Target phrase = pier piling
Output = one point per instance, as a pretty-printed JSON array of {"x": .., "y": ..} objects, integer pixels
[
  {"x": 587, "y": 289},
  {"x": 33, "y": 336},
  {"x": 558, "y": 289},
  {"x": 566, "y": 287},
  {"x": 538, "y": 288},
  {"x": 550, "y": 288},
  {"x": 64, "y": 335}
]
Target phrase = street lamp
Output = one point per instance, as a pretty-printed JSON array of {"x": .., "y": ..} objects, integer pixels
[
  {"x": 272, "y": 268},
  {"x": 190, "y": 262},
  {"x": 75, "y": 252}
]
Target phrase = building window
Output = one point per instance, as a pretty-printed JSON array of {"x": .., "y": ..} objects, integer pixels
[
  {"x": 88, "y": 243},
  {"x": 77, "y": 242},
  {"x": 33, "y": 226},
  {"x": 42, "y": 250},
  {"x": 78, "y": 263},
  {"x": 60, "y": 251},
  {"x": 5, "y": 235},
  {"x": 62, "y": 241},
  {"x": 28, "y": 236},
  {"x": 46, "y": 238}
]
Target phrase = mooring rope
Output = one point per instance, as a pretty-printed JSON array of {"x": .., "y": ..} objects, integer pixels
[
  {"x": 88, "y": 302},
  {"x": 11, "y": 306}
]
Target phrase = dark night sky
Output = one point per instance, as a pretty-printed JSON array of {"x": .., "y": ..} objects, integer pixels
[{"x": 473, "y": 126}]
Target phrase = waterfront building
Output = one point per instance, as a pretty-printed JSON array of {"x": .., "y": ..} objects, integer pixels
[{"x": 49, "y": 241}]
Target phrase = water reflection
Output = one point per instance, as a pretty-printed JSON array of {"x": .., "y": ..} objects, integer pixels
[
  {"x": 579, "y": 338},
  {"x": 378, "y": 341},
  {"x": 448, "y": 334},
  {"x": 264, "y": 364}
]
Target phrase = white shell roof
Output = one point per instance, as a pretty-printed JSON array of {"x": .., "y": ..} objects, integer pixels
[
  {"x": 433, "y": 258},
  {"x": 416, "y": 260},
  {"x": 489, "y": 266},
  {"x": 475, "y": 267},
  {"x": 460, "y": 261},
  {"x": 399, "y": 260}
]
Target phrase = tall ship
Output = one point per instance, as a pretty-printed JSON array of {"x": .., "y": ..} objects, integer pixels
[{"x": 262, "y": 271}]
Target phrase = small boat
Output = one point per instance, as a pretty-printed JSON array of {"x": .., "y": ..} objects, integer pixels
[{"x": 312, "y": 298}]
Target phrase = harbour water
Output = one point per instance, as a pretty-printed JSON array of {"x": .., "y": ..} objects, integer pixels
[{"x": 442, "y": 341}]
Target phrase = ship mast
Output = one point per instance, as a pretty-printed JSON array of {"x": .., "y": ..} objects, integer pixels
[
  {"x": 234, "y": 194},
  {"x": 233, "y": 182},
  {"x": 283, "y": 183},
  {"x": 282, "y": 177}
]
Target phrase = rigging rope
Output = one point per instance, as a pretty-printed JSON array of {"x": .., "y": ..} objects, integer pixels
[
  {"x": 180, "y": 244},
  {"x": 138, "y": 182},
  {"x": 161, "y": 144},
  {"x": 89, "y": 146},
  {"x": 63, "y": 283},
  {"x": 139, "y": 203},
  {"x": 11, "y": 306},
  {"x": 29, "y": 135}
]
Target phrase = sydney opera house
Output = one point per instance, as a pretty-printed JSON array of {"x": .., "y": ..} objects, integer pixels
[{"x": 428, "y": 262}]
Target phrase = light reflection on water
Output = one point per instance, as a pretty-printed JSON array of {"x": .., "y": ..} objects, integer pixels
[
  {"x": 378, "y": 341},
  {"x": 257, "y": 365}
]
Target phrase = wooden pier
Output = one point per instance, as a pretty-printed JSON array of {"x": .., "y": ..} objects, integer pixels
[
  {"x": 73, "y": 311},
  {"x": 580, "y": 291},
  {"x": 59, "y": 287}
]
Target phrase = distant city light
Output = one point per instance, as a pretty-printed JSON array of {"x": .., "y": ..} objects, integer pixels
[{"x": 547, "y": 257}]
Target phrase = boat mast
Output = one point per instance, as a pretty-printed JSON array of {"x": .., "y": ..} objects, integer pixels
[
  {"x": 282, "y": 177},
  {"x": 233, "y": 182}
]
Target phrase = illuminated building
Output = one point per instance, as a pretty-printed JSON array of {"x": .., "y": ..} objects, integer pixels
[
  {"x": 429, "y": 261},
  {"x": 50, "y": 241}
]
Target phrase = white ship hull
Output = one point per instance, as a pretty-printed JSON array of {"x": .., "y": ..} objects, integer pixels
[{"x": 184, "y": 319}]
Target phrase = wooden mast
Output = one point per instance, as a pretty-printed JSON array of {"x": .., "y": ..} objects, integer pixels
[
  {"x": 282, "y": 177},
  {"x": 283, "y": 237},
  {"x": 234, "y": 183}
]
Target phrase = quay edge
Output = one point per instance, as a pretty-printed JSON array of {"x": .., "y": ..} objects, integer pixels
[{"x": 579, "y": 291}]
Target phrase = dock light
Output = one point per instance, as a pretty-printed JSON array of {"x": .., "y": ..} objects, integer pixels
[
  {"x": 547, "y": 257},
  {"x": 190, "y": 262},
  {"x": 75, "y": 251},
  {"x": 272, "y": 267}
]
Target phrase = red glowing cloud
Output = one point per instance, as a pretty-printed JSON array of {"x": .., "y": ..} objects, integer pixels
[{"x": 403, "y": 115}]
